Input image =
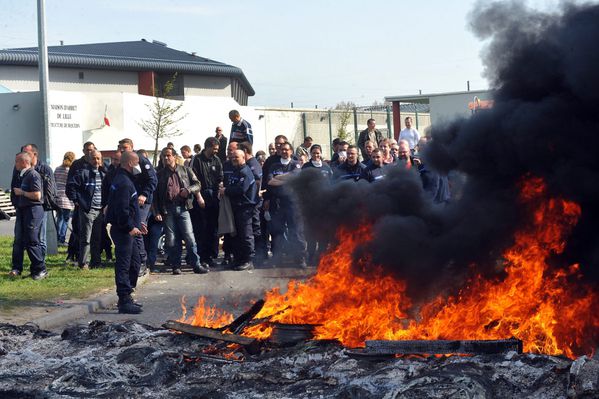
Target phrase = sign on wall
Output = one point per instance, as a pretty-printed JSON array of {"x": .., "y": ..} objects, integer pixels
[
  {"x": 65, "y": 112},
  {"x": 64, "y": 116}
]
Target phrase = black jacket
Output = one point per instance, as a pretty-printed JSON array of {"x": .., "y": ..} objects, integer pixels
[
  {"x": 81, "y": 186},
  {"x": 122, "y": 208},
  {"x": 346, "y": 171},
  {"x": 187, "y": 180},
  {"x": 209, "y": 171}
]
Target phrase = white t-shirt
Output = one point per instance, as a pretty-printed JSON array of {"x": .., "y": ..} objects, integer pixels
[{"x": 411, "y": 136}]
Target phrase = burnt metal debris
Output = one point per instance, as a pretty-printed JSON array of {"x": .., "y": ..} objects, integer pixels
[{"x": 133, "y": 360}]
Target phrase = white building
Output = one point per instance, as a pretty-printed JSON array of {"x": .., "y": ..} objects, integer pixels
[{"x": 114, "y": 80}]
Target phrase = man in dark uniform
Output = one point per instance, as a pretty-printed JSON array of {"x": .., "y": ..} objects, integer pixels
[
  {"x": 26, "y": 196},
  {"x": 259, "y": 254},
  {"x": 375, "y": 170},
  {"x": 283, "y": 210},
  {"x": 123, "y": 214},
  {"x": 351, "y": 169},
  {"x": 241, "y": 190},
  {"x": 241, "y": 130},
  {"x": 209, "y": 171},
  {"x": 227, "y": 173},
  {"x": 48, "y": 187},
  {"x": 145, "y": 183}
]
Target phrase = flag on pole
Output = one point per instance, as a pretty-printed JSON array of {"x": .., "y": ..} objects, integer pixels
[{"x": 106, "y": 121}]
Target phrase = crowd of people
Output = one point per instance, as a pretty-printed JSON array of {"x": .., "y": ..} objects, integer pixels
[{"x": 192, "y": 198}]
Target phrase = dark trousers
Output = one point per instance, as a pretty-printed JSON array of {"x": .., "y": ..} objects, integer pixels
[
  {"x": 205, "y": 226},
  {"x": 127, "y": 263},
  {"x": 261, "y": 242},
  {"x": 287, "y": 230},
  {"x": 27, "y": 233},
  {"x": 243, "y": 242},
  {"x": 144, "y": 212},
  {"x": 151, "y": 240}
]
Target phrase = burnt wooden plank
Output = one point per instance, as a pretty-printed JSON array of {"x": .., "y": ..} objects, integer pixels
[
  {"x": 444, "y": 346},
  {"x": 239, "y": 324},
  {"x": 211, "y": 333}
]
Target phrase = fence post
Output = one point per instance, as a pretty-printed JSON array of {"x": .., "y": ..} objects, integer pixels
[
  {"x": 330, "y": 134},
  {"x": 355, "y": 126},
  {"x": 389, "y": 132},
  {"x": 416, "y": 115},
  {"x": 304, "y": 128}
]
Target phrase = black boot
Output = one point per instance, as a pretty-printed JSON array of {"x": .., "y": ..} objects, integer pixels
[{"x": 127, "y": 306}]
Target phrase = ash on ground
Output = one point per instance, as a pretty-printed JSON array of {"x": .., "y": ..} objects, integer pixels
[{"x": 131, "y": 360}]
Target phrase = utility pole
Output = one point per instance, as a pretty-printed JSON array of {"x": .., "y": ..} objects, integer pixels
[
  {"x": 42, "y": 61},
  {"x": 43, "y": 72}
]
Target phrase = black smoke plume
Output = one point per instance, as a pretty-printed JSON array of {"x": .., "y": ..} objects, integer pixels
[{"x": 544, "y": 70}]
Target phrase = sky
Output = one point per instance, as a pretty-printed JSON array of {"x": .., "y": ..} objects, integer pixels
[{"x": 309, "y": 53}]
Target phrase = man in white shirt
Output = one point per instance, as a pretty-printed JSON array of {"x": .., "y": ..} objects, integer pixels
[{"x": 409, "y": 134}]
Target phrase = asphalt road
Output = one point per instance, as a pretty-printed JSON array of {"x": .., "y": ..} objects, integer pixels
[{"x": 232, "y": 291}]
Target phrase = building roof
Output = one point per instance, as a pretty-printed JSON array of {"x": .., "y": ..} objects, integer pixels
[
  {"x": 126, "y": 56},
  {"x": 424, "y": 98}
]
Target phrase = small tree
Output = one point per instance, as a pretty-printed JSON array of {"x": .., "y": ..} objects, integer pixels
[
  {"x": 345, "y": 116},
  {"x": 163, "y": 117}
]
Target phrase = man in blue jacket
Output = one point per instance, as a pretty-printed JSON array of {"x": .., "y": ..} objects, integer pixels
[
  {"x": 27, "y": 197},
  {"x": 241, "y": 189},
  {"x": 145, "y": 183},
  {"x": 241, "y": 130},
  {"x": 123, "y": 214},
  {"x": 85, "y": 190}
]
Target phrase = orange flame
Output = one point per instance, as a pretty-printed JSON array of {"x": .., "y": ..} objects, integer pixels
[
  {"x": 203, "y": 315},
  {"x": 538, "y": 305}
]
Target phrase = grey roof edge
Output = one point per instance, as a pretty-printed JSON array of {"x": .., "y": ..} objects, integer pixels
[
  {"x": 20, "y": 57},
  {"x": 424, "y": 97}
]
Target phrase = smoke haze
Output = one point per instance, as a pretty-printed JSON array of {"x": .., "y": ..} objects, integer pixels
[{"x": 544, "y": 70}]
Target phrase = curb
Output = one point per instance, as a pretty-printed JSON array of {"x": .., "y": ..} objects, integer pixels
[{"x": 63, "y": 316}]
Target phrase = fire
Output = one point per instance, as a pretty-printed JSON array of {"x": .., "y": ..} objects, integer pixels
[
  {"x": 534, "y": 303},
  {"x": 203, "y": 315}
]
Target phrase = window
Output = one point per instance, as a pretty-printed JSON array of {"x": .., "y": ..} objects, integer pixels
[{"x": 81, "y": 76}]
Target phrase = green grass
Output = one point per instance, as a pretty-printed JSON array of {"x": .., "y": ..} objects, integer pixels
[{"x": 64, "y": 282}]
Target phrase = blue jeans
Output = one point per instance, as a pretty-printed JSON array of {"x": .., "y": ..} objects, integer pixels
[
  {"x": 42, "y": 232},
  {"x": 177, "y": 223},
  {"x": 63, "y": 216}
]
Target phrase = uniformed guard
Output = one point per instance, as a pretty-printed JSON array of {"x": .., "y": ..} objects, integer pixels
[
  {"x": 259, "y": 254},
  {"x": 145, "y": 184},
  {"x": 124, "y": 215},
  {"x": 27, "y": 197},
  {"x": 285, "y": 215},
  {"x": 241, "y": 190}
]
